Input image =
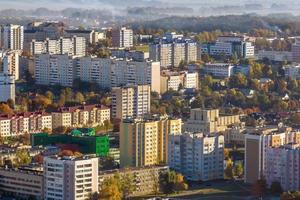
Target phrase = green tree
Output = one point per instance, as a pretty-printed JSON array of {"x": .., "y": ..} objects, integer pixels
[
  {"x": 238, "y": 80},
  {"x": 79, "y": 97},
  {"x": 127, "y": 184},
  {"x": 22, "y": 158},
  {"x": 238, "y": 169}
]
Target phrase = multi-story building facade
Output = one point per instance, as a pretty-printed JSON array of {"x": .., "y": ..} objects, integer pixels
[
  {"x": 257, "y": 141},
  {"x": 138, "y": 56},
  {"x": 296, "y": 51},
  {"x": 13, "y": 37},
  {"x": 69, "y": 178},
  {"x": 144, "y": 142},
  {"x": 22, "y": 183},
  {"x": 122, "y": 37},
  {"x": 209, "y": 121},
  {"x": 75, "y": 46},
  {"x": 219, "y": 70},
  {"x": 191, "y": 80},
  {"x": 292, "y": 71},
  {"x": 7, "y": 87},
  {"x": 54, "y": 70},
  {"x": 198, "y": 157},
  {"x": 171, "y": 52},
  {"x": 18, "y": 124},
  {"x": 146, "y": 180},
  {"x": 131, "y": 101},
  {"x": 80, "y": 116},
  {"x": 282, "y": 165},
  {"x": 10, "y": 63},
  {"x": 277, "y": 56}
]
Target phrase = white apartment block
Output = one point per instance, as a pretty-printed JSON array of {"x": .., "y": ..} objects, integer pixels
[
  {"x": 7, "y": 87},
  {"x": 54, "y": 69},
  {"x": 80, "y": 116},
  {"x": 69, "y": 178},
  {"x": 278, "y": 56},
  {"x": 131, "y": 102},
  {"x": 296, "y": 51},
  {"x": 198, "y": 157},
  {"x": 191, "y": 80},
  {"x": 10, "y": 63},
  {"x": 220, "y": 48},
  {"x": 283, "y": 166},
  {"x": 219, "y": 70},
  {"x": 292, "y": 71},
  {"x": 13, "y": 37},
  {"x": 75, "y": 46},
  {"x": 122, "y": 38},
  {"x": 172, "y": 53},
  {"x": 18, "y": 124},
  {"x": 108, "y": 73}
]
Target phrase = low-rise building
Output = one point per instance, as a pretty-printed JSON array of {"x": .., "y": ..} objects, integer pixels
[
  {"x": 277, "y": 56},
  {"x": 147, "y": 180},
  {"x": 22, "y": 183},
  {"x": 197, "y": 156},
  {"x": 292, "y": 71},
  {"x": 209, "y": 121},
  {"x": 218, "y": 70},
  {"x": 80, "y": 116},
  {"x": 21, "y": 123}
]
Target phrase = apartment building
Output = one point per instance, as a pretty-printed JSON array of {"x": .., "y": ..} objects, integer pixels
[
  {"x": 28, "y": 122},
  {"x": 108, "y": 73},
  {"x": 292, "y": 71},
  {"x": 257, "y": 141},
  {"x": 191, "y": 80},
  {"x": 171, "y": 52},
  {"x": 283, "y": 166},
  {"x": 90, "y": 36},
  {"x": 122, "y": 37},
  {"x": 138, "y": 56},
  {"x": 7, "y": 87},
  {"x": 209, "y": 121},
  {"x": 80, "y": 116},
  {"x": 75, "y": 46},
  {"x": 10, "y": 63},
  {"x": 70, "y": 178},
  {"x": 13, "y": 37},
  {"x": 147, "y": 180},
  {"x": 22, "y": 183},
  {"x": 197, "y": 156},
  {"x": 144, "y": 142},
  {"x": 218, "y": 70},
  {"x": 131, "y": 101},
  {"x": 54, "y": 70}
]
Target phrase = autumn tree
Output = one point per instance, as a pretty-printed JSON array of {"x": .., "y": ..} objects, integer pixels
[
  {"x": 22, "y": 157},
  {"x": 229, "y": 169},
  {"x": 110, "y": 190},
  {"x": 238, "y": 169}
]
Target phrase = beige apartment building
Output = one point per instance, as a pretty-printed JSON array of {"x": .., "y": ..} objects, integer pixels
[
  {"x": 209, "y": 121},
  {"x": 147, "y": 180},
  {"x": 28, "y": 122},
  {"x": 258, "y": 141},
  {"x": 131, "y": 101},
  {"x": 80, "y": 116},
  {"x": 23, "y": 183},
  {"x": 144, "y": 142}
]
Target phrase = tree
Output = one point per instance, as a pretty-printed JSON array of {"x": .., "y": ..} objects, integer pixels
[
  {"x": 238, "y": 169},
  {"x": 295, "y": 118},
  {"x": 226, "y": 154},
  {"x": 127, "y": 184},
  {"x": 276, "y": 187},
  {"x": 110, "y": 190},
  {"x": 229, "y": 169},
  {"x": 238, "y": 80},
  {"x": 79, "y": 97},
  {"x": 22, "y": 158},
  {"x": 259, "y": 188},
  {"x": 173, "y": 182},
  {"x": 5, "y": 109}
]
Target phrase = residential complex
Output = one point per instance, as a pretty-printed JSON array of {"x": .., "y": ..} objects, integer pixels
[
  {"x": 171, "y": 52},
  {"x": 122, "y": 37},
  {"x": 70, "y": 178},
  {"x": 28, "y": 122},
  {"x": 209, "y": 121},
  {"x": 75, "y": 46},
  {"x": 277, "y": 56},
  {"x": 144, "y": 142},
  {"x": 296, "y": 50},
  {"x": 12, "y": 37},
  {"x": 197, "y": 156},
  {"x": 107, "y": 73},
  {"x": 10, "y": 61},
  {"x": 292, "y": 71},
  {"x": 80, "y": 116},
  {"x": 7, "y": 87},
  {"x": 131, "y": 101},
  {"x": 138, "y": 56}
]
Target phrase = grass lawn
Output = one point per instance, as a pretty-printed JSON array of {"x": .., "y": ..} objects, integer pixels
[{"x": 144, "y": 48}]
